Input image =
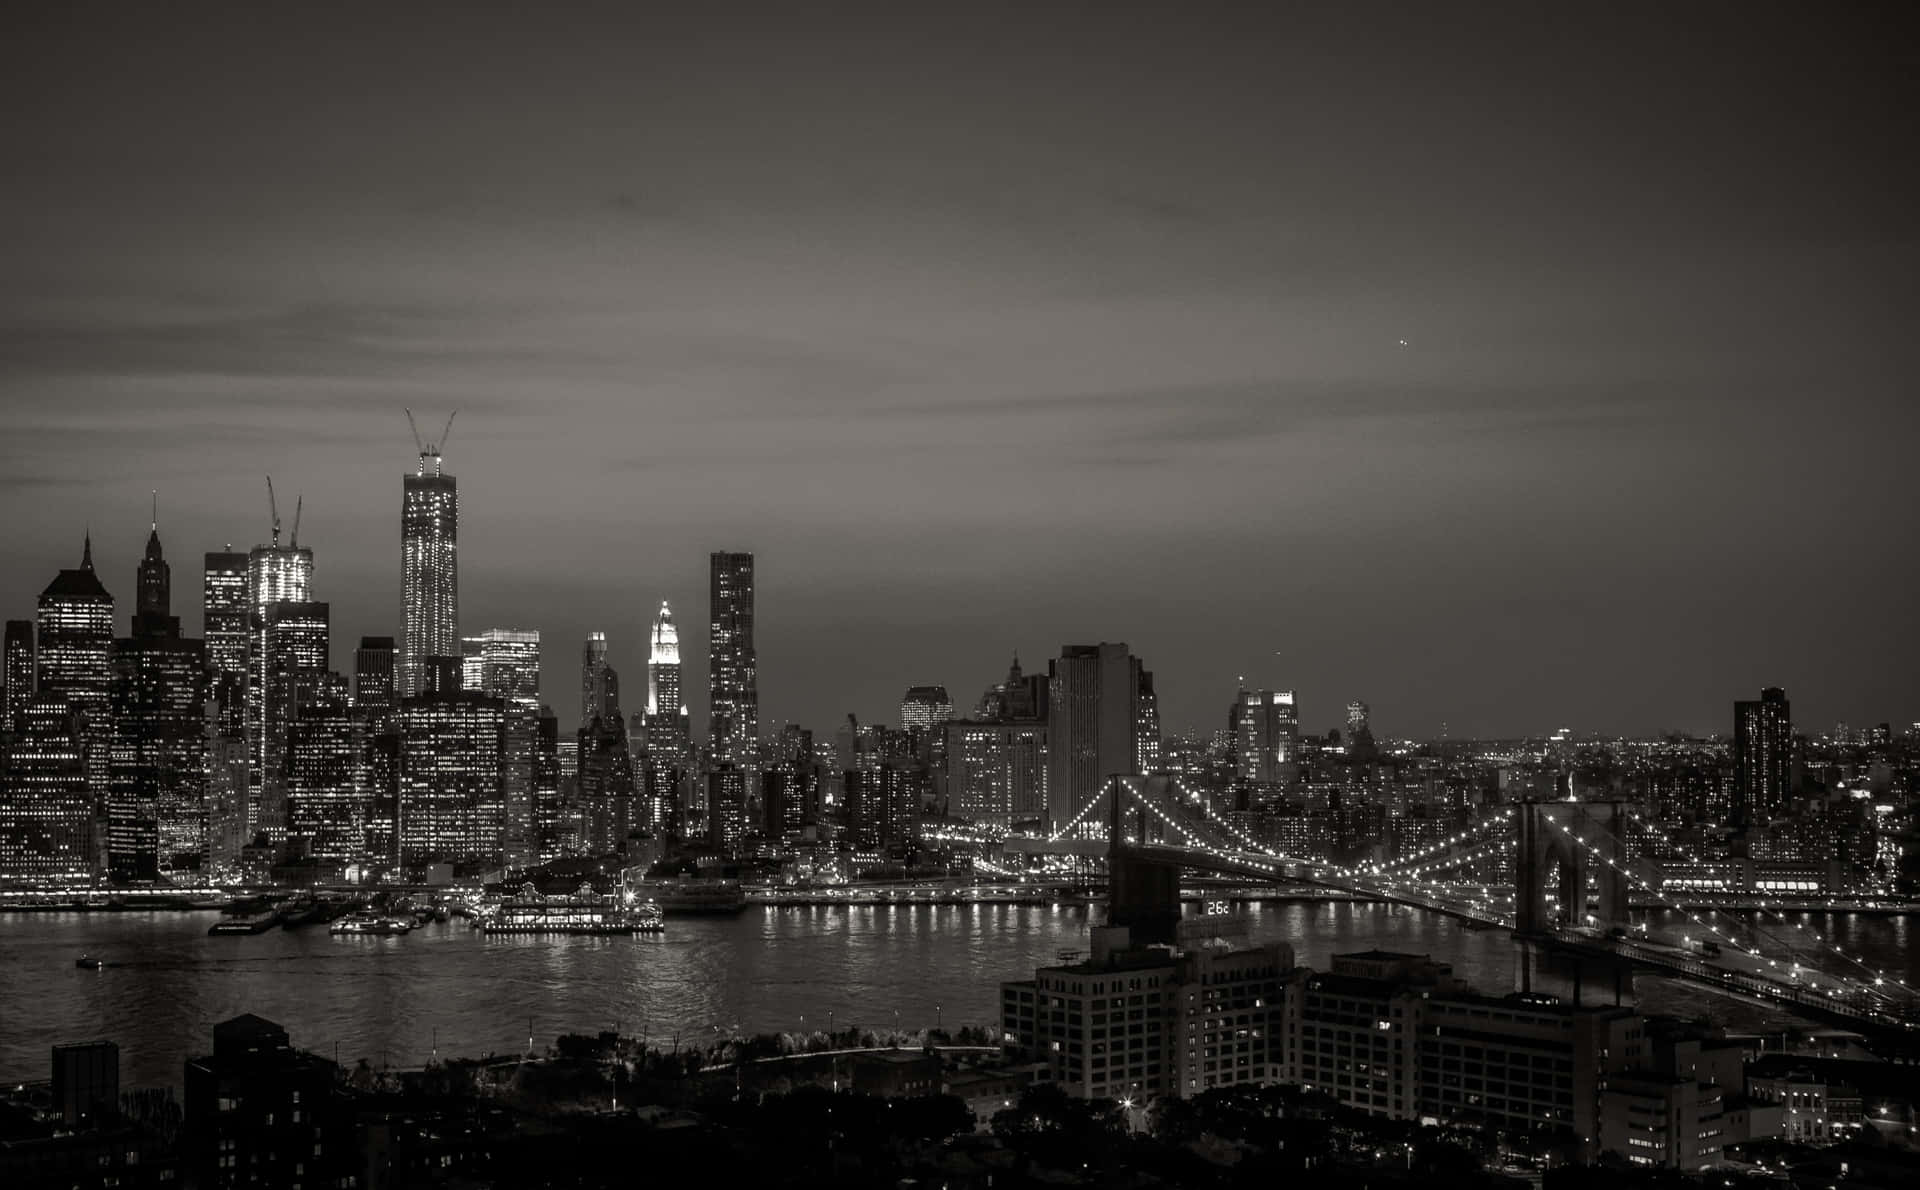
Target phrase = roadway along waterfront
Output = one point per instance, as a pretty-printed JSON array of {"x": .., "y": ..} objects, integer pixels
[{"x": 773, "y": 968}]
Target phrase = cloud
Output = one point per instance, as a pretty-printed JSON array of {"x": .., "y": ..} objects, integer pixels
[{"x": 314, "y": 340}]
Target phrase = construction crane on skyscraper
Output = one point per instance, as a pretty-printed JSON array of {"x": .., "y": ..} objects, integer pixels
[
  {"x": 273, "y": 506},
  {"x": 430, "y": 448},
  {"x": 298, "y": 502}
]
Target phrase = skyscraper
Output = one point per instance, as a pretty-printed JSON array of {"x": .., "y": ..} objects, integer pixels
[
  {"x": 1266, "y": 734},
  {"x": 509, "y": 665},
  {"x": 374, "y": 696},
  {"x": 46, "y": 810},
  {"x": 429, "y": 571},
  {"x": 663, "y": 665},
  {"x": 157, "y": 774},
  {"x": 548, "y": 828},
  {"x": 224, "y": 608},
  {"x": 663, "y": 763},
  {"x": 594, "y": 703},
  {"x": 375, "y": 712},
  {"x": 75, "y": 662},
  {"x": 733, "y": 703},
  {"x": 925, "y": 708},
  {"x": 329, "y": 803},
  {"x": 1762, "y": 757},
  {"x": 16, "y": 673},
  {"x": 295, "y": 644},
  {"x": 450, "y": 799},
  {"x": 275, "y": 574},
  {"x": 1097, "y": 725}
]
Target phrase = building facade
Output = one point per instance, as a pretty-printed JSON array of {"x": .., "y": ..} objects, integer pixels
[
  {"x": 1762, "y": 757},
  {"x": 451, "y": 807},
  {"x": 158, "y": 773},
  {"x": 16, "y": 673},
  {"x": 46, "y": 807},
  {"x": 1100, "y": 713},
  {"x": 429, "y": 569},
  {"x": 295, "y": 641},
  {"x": 733, "y": 703},
  {"x": 74, "y": 660}
]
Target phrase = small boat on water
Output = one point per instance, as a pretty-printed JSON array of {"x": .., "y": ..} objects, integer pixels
[
  {"x": 88, "y": 962},
  {"x": 370, "y": 923},
  {"x": 258, "y": 924}
]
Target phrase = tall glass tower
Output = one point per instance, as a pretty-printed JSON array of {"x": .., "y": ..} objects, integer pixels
[
  {"x": 429, "y": 573},
  {"x": 733, "y": 689},
  {"x": 75, "y": 660},
  {"x": 276, "y": 574}
]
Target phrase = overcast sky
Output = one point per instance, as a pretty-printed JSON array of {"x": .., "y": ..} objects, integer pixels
[{"x": 1509, "y": 368}]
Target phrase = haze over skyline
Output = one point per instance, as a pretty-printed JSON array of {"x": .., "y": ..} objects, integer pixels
[{"x": 1222, "y": 333}]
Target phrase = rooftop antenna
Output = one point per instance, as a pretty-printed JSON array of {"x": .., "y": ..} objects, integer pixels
[
  {"x": 155, "y": 492},
  {"x": 274, "y": 507},
  {"x": 297, "y": 502}
]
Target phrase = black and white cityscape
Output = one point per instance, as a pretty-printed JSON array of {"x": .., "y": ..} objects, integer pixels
[{"x": 966, "y": 596}]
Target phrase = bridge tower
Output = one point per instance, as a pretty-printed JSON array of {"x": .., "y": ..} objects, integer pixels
[
  {"x": 1142, "y": 894},
  {"x": 1582, "y": 837}
]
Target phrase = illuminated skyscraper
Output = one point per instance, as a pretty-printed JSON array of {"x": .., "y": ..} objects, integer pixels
[
  {"x": 1100, "y": 723},
  {"x": 663, "y": 665},
  {"x": 509, "y": 669},
  {"x": 733, "y": 722},
  {"x": 158, "y": 774},
  {"x": 996, "y": 762},
  {"x": 549, "y": 839},
  {"x": 509, "y": 665},
  {"x": 429, "y": 570},
  {"x": 224, "y": 608},
  {"x": 1266, "y": 732},
  {"x": 451, "y": 808},
  {"x": 329, "y": 803},
  {"x": 1762, "y": 757},
  {"x": 75, "y": 661},
  {"x": 925, "y": 709},
  {"x": 295, "y": 644},
  {"x": 46, "y": 810},
  {"x": 726, "y": 807},
  {"x": 16, "y": 673},
  {"x": 374, "y": 696},
  {"x": 667, "y": 737},
  {"x": 275, "y": 574},
  {"x": 595, "y": 689},
  {"x": 997, "y": 772}
]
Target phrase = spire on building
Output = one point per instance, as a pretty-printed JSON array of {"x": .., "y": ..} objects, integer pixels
[{"x": 86, "y": 551}]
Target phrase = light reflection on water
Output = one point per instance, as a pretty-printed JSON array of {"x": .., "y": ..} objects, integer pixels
[{"x": 389, "y": 999}]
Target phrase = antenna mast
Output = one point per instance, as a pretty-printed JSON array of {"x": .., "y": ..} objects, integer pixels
[
  {"x": 297, "y": 502},
  {"x": 274, "y": 507}
]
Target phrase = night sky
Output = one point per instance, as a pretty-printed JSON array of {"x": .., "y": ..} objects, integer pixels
[{"x": 1507, "y": 367}]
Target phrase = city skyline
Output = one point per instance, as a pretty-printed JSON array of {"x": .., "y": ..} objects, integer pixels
[
  {"x": 1324, "y": 709},
  {"x": 906, "y": 329}
]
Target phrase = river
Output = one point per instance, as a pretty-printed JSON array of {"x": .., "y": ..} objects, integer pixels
[{"x": 393, "y": 1000}]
